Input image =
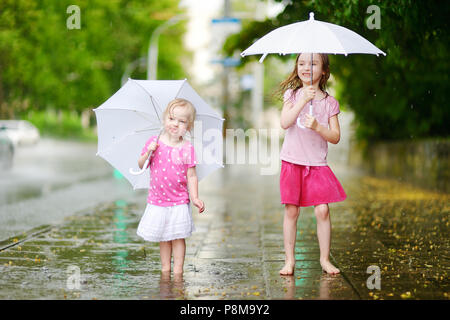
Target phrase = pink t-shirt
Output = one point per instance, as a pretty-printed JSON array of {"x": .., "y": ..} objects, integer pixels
[
  {"x": 168, "y": 173},
  {"x": 305, "y": 146}
]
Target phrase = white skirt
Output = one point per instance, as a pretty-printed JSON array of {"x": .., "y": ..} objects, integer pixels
[{"x": 166, "y": 223}]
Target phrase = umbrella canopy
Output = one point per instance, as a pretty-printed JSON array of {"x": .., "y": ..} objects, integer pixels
[
  {"x": 311, "y": 36},
  {"x": 134, "y": 113}
]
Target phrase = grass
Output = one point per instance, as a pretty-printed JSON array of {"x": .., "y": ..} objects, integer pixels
[{"x": 64, "y": 124}]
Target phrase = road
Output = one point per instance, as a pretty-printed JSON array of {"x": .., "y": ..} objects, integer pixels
[{"x": 52, "y": 180}]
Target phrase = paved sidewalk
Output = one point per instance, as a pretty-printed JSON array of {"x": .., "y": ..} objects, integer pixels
[{"x": 237, "y": 248}]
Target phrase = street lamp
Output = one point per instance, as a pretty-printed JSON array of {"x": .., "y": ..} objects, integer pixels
[
  {"x": 152, "y": 60},
  {"x": 140, "y": 62}
]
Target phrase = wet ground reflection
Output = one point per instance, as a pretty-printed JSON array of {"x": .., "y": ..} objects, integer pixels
[
  {"x": 120, "y": 237},
  {"x": 171, "y": 286},
  {"x": 294, "y": 287}
]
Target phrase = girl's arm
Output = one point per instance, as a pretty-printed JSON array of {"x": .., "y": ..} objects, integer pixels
[
  {"x": 333, "y": 134},
  {"x": 290, "y": 111},
  {"x": 143, "y": 158},
  {"x": 193, "y": 189}
]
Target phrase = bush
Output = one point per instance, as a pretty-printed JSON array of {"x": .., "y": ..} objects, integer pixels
[{"x": 61, "y": 124}]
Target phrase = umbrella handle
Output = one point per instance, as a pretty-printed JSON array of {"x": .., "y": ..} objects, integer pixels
[
  {"x": 136, "y": 173},
  {"x": 299, "y": 124},
  {"x": 144, "y": 167}
]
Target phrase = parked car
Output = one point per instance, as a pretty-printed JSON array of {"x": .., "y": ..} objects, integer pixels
[
  {"x": 21, "y": 132},
  {"x": 6, "y": 150}
]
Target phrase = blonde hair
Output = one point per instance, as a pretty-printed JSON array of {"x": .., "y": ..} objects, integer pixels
[{"x": 180, "y": 102}]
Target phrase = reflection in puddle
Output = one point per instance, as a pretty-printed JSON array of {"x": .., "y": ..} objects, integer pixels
[
  {"x": 324, "y": 288},
  {"x": 171, "y": 288},
  {"x": 296, "y": 287},
  {"x": 289, "y": 287},
  {"x": 120, "y": 237}
]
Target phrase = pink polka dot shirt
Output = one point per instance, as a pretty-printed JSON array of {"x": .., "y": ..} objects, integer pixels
[{"x": 168, "y": 173}]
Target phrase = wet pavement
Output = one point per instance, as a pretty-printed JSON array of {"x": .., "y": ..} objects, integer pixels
[
  {"x": 237, "y": 248},
  {"x": 51, "y": 180}
]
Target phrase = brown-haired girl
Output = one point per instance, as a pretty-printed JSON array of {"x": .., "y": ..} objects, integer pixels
[{"x": 305, "y": 179}]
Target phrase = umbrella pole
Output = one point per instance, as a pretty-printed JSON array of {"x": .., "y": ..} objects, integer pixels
[{"x": 311, "y": 103}]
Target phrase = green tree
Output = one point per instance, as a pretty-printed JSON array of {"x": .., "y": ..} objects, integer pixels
[
  {"x": 400, "y": 96},
  {"x": 43, "y": 64}
]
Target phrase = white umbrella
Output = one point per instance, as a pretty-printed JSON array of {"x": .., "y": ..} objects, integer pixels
[
  {"x": 311, "y": 36},
  {"x": 134, "y": 113}
]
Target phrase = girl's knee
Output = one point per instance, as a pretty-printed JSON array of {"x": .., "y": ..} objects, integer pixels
[
  {"x": 322, "y": 212},
  {"x": 292, "y": 211}
]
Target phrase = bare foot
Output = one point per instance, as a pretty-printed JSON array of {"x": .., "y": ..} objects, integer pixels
[
  {"x": 288, "y": 269},
  {"x": 328, "y": 267}
]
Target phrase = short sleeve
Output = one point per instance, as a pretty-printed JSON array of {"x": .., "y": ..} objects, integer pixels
[
  {"x": 191, "y": 159},
  {"x": 287, "y": 95},
  {"x": 145, "y": 149},
  {"x": 334, "y": 107}
]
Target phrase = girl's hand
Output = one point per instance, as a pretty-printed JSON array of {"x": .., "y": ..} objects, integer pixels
[
  {"x": 310, "y": 122},
  {"x": 308, "y": 93},
  {"x": 199, "y": 204},
  {"x": 152, "y": 147}
]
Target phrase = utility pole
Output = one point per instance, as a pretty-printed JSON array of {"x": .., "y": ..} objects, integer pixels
[
  {"x": 222, "y": 27},
  {"x": 152, "y": 59},
  {"x": 258, "y": 94},
  {"x": 226, "y": 72}
]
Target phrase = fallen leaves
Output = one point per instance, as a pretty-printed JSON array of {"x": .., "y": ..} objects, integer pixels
[{"x": 406, "y": 295}]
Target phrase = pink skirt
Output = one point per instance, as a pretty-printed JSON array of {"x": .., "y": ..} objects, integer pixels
[{"x": 306, "y": 186}]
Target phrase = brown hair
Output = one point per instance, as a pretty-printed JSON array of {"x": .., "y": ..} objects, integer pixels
[
  {"x": 293, "y": 81},
  {"x": 180, "y": 102}
]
